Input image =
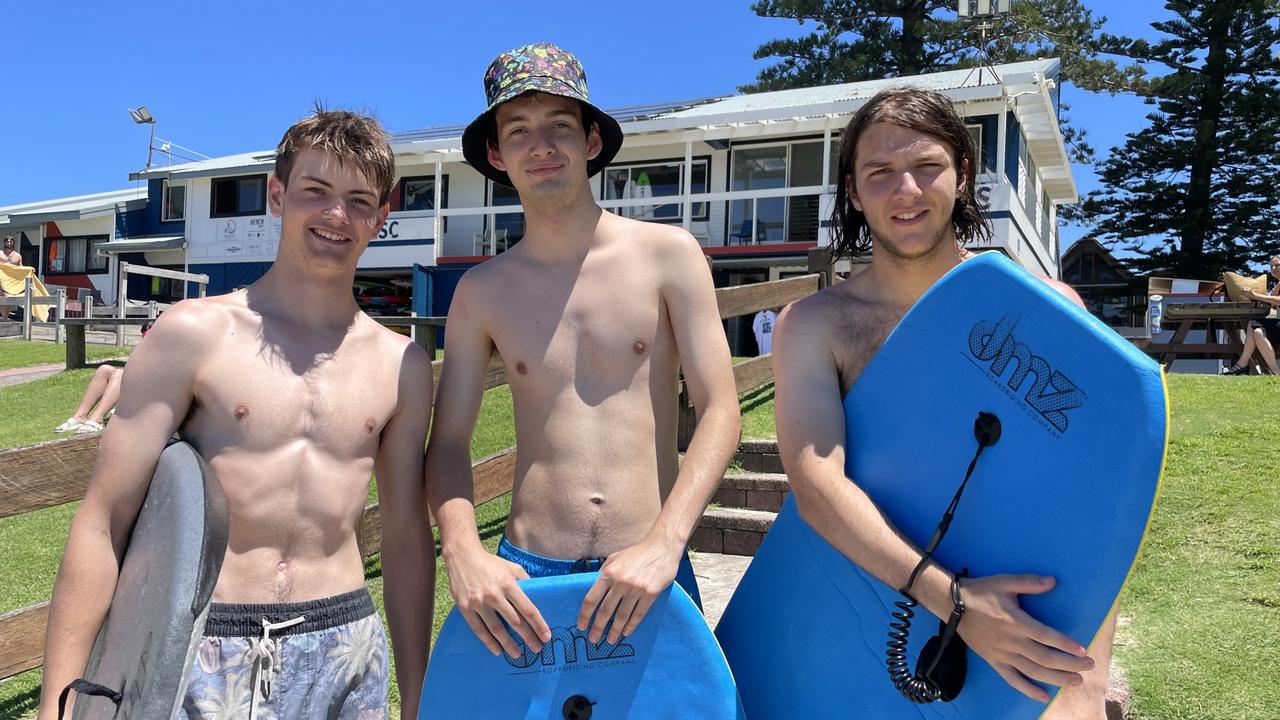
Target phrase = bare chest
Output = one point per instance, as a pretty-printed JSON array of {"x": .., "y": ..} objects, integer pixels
[
  {"x": 856, "y": 340},
  {"x": 596, "y": 331},
  {"x": 261, "y": 401}
]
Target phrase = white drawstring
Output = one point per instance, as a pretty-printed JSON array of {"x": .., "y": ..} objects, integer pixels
[{"x": 265, "y": 656}]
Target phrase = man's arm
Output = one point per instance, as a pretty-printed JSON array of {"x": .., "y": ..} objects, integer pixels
[
  {"x": 408, "y": 550},
  {"x": 483, "y": 585},
  {"x": 157, "y": 393},
  {"x": 631, "y": 580},
  {"x": 811, "y": 441}
]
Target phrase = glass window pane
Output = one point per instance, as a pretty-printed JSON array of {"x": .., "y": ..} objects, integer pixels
[
  {"x": 251, "y": 195},
  {"x": 419, "y": 194},
  {"x": 615, "y": 183},
  {"x": 769, "y": 219},
  {"x": 76, "y": 254},
  {"x": 224, "y": 197},
  {"x": 96, "y": 261},
  {"x": 699, "y": 186},
  {"x": 57, "y": 256},
  {"x": 832, "y": 179},
  {"x": 174, "y": 207},
  {"x": 806, "y": 164},
  {"x": 760, "y": 168}
]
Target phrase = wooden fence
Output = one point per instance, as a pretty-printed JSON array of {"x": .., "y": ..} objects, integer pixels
[{"x": 55, "y": 473}]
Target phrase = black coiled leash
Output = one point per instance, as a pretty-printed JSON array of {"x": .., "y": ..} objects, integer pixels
[{"x": 941, "y": 670}]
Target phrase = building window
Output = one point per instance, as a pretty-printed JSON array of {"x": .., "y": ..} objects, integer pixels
[
  {"x": 75, "y": 255},
  {"x": 656, "y": 179},
  {"x": 173, "y": 205},
  {"x": 774, "y": 167},
  {"x": 419, "y": 193},
  {"x": 234, "y": 196}
]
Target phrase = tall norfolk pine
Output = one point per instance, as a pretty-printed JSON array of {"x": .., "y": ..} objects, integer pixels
[
  {"x": 1191, "y": 194},
  {"x": 1195, "y": 192}
]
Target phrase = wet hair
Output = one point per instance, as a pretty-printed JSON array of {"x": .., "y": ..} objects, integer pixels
[
  {"x": 10, "y": 239},
  {"x": 924, "y": 111},
  {"x": 356, "y": 140},
  {"x": 491, "y": 121}
]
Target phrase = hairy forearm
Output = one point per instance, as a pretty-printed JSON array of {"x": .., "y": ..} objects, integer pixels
[
  {"x": 846, "y": 517},
  {"x": 409, "y": 569},
  {"x": 81, "y": 596},
  {"x": 712, "y": 447}
]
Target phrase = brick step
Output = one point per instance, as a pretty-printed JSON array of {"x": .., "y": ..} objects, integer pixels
[
  {"x": 731, "y": 530},
  {"x": 753, "y": 491},
  {"x": 759, "y": 456}
]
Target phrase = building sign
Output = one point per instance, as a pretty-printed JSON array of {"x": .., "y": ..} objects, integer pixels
[{"x": 414, "y": 228}]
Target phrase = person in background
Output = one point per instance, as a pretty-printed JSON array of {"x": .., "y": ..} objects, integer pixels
[
  {"x": 1263, "y": 334},
  {"x": 100, "y": 398}
]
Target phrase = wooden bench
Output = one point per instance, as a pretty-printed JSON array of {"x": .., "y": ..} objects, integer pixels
[{"x": 1232, "y": 317}]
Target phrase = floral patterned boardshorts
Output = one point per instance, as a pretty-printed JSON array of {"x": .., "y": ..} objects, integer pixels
[{"x": 292, "y": 661}]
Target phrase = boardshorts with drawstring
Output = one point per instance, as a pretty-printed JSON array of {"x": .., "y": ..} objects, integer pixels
[{"x": 324, "y": 658}]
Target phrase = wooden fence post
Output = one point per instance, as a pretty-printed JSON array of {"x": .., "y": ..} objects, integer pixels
[
  {"x": 822, "y": 262},
  {"x": 26, "y": 310},
  {"x": 62, "y": 314}
]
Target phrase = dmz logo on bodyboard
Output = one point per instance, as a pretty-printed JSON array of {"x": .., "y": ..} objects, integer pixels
[
  {"x": 1051, "y": 395},
  {"x": 670, "y": 667},
  {"x": 576, "y": 652}
]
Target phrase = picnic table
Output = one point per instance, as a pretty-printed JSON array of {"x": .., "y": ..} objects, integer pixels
[
  {"x": 425, "y": 335},
  {"x": 1182, "y": 318}
]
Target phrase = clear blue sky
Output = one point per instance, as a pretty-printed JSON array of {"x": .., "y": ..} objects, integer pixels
[{"x": 229, "y": 77}]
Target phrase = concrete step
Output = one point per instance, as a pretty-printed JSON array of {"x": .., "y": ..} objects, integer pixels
[
  {"x": 752, "y": 490},
  {"x": 732, "y": 531}
]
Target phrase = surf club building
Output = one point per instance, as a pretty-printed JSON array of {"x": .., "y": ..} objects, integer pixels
[
  {"x": 79, "y": 242},
  {"x": 752, "y": 177}
]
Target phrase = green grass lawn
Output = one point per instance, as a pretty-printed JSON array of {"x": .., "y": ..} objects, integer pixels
[
  {"x": 1200, "y": 615},
  {"x": 25, "y": 353}
]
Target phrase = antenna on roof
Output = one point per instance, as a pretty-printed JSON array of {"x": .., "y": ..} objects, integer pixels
[{"x": 982, "y": 14}]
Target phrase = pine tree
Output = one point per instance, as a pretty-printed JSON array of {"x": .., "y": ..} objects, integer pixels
[
  {"x": 1195, "y": 192},
  {"x": 856, "y": 40}
]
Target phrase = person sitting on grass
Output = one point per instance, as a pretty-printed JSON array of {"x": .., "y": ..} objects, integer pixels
[
  {"x": 99, "y": 398},
  {"x": 1264, "y": 334}
]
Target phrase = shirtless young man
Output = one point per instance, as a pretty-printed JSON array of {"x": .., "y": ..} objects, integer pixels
[
  {"x": 295, "y": 398},
  {"x": 593, "y": 315},
  {"x": 907, "y": 196},
  {"x": 10, "y": 254}
]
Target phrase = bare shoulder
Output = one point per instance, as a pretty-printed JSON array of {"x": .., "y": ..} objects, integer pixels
[
  {"x": 195, "y": 324},
  {"x": 390, "y": 344},
  {"x": 841, "y": 320},
  {"x": 1067, "y": 291}
]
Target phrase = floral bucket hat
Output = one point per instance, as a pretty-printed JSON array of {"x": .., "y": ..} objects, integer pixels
[{"x": 545, "y": 68}]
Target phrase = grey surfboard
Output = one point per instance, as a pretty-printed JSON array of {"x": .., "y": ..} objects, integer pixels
[{"x": 148, "y": 641}]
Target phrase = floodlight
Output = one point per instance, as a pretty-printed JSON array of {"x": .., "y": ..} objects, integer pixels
[{"x": 142, "y": 115}]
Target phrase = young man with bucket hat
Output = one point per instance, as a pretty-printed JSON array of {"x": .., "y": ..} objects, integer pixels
[{"x": 594, "y": 316}]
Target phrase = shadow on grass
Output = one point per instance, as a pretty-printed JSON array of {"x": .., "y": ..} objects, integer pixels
[
  {"x": 18, "y": 705},
  {"x": 755, "y": 398}
]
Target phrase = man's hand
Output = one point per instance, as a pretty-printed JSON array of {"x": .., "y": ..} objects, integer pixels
[
  {"x": 1014, "y": 643},
  {"x": 629, "y": 583},
  {"x": 485, "y": 590}
]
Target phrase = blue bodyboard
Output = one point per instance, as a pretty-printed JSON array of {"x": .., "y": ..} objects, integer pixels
[
  {"x": 1068, "y": 491},
  {"x": 671, "y": 667}
]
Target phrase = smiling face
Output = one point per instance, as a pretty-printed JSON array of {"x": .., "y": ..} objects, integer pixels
[
  {"x": 905, "y": 183},
  {"x": 1275, "y": 267},
  {"x": 542, "y": 145},
  {"x": 329, "y": 212}
]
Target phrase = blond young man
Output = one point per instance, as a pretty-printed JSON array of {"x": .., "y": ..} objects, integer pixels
[
  {"x": 593, "y": 315},
  {"x": 906, "y": 195},
  {"x": 295, "y": 398}
]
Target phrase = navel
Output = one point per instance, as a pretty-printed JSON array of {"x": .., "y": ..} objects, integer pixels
[
  {"x": 242, "y": 412},
  {"x": 639, "y": 347},
  {"x": 521, "y": 368},
  {"x": 597, "y": 500}
]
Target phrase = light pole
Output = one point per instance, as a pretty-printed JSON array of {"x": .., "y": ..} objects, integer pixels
[
  {"x": 982, "y": 13},
  {"x": 143, "y": 116}
]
